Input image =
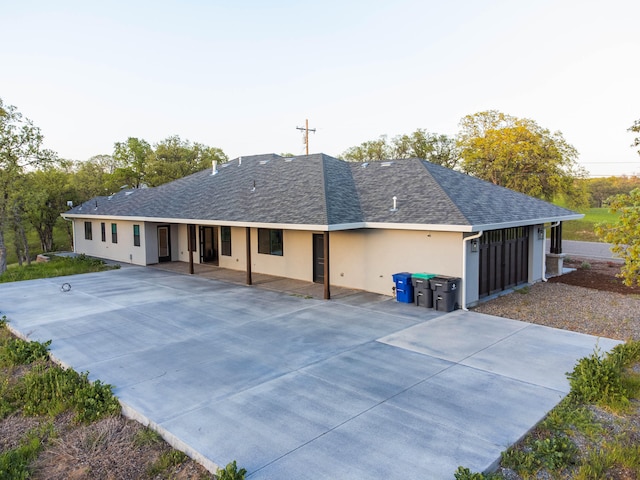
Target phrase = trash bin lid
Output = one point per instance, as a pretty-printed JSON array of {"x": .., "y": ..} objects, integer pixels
[
  {"x": 406, "y": 276},
  {"x": 424, "y": 276}
]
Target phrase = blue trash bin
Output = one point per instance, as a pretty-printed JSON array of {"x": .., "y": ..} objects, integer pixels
[{"x": 404, "y": 288}]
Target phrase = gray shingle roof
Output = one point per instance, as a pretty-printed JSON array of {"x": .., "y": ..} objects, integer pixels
[{"x": 319, "y": 190}]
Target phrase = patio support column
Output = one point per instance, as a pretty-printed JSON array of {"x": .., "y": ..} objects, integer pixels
[
  {"x": 191, "y": 240},
  {"x": 248, "y": 281},
  {"x": 556, "y": 239},
  {"x": 327, "y": 289}
]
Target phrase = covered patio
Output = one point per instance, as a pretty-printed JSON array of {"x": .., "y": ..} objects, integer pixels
[{"x": 260, "y": 280}]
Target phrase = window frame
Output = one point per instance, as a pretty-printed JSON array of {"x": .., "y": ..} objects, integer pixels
[
  {"x": 103, "y": 231},
  {"x": 225, "y": 241},
  {"x": 114, "y": 233},
  {"x": 136, "y": 235},
  {"x": 88, "y": 231},
  {"x": 271, "y": 241}
]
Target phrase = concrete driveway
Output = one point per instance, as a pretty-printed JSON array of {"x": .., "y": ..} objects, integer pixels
[{"x": 361, "y": 387}]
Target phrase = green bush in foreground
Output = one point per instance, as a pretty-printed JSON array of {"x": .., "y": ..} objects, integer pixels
[
  {"x": 598, "y": 378},
  {"x": 50, "y": 390},
  {"x": 231, "y": 472},
  {"x": 20, "y": 352}
]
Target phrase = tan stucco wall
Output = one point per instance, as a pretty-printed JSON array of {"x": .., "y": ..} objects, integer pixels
[
  {"x": 367, "y": 259},
  {"x": 123, "y": 251},
  {"x": 237, "y": 260},
  {"x": 296, "y": 261}
]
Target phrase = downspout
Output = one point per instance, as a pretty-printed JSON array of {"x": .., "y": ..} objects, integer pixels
[
  {"x": 544, "y": 250},
  {"x": 463, "y": 292}
]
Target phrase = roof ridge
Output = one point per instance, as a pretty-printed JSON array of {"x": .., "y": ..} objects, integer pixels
[
  {"x": 439, "y": 185},
  {"x": 325, "y": 189}
]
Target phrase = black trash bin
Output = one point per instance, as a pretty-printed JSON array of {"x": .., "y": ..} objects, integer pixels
[
  {"x": 445, "y": 293},
  {"x": 422, "y": 294}
]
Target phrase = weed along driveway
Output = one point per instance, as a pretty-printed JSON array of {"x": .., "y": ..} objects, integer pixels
[{"x": 360, "y": 387}]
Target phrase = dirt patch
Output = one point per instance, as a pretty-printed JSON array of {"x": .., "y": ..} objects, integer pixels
[{"x": 597, "y": 274}]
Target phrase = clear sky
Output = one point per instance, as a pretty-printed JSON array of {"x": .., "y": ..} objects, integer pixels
[{"x": 242, "y": 75}]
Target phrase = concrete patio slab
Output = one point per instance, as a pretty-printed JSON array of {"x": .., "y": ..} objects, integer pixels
[{"x": 292, "y": 387}]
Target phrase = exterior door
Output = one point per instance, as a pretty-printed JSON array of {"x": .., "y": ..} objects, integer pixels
[
  {"x": 209, "y": 245},
  {"x": 318, "y": 258},
  {"x": 504, "y": 259},
  {"x": 164, "y": 244}
]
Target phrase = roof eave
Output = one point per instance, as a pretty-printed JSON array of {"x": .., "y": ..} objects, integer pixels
[
  {"x": 524, "y": 223},
  {"x": 342, "y": 226}
]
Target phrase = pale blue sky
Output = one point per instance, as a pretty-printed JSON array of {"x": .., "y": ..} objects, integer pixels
[{"x": 242, "y": 76}]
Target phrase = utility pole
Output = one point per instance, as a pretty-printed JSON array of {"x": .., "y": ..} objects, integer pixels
[{"x": 306, "y": 130}]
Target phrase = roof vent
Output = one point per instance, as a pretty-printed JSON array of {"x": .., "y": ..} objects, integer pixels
[
  {"x": 239, "y": 161},
  {"x": 264, "y": 162},
  {"x": 395, "y": 204},
  {"x": 129, "y": 192},
  {"x": 70, "y": 203},
  {"x": 253, "y": 189},
  {"x": 288, "y": 159},
  {"x": 386, "y": 164},
  {"x": 365, "y": 165},
  {"x": 214, "y": 168}
]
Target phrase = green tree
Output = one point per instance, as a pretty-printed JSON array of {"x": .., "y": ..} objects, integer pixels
[
  {"x": 175, "y": 158},
  {"x": 371, "y": 150},
  {"x": 94, "y": 177},
  {"x": 132, "y": 158},
  {"x": 625, "y": 234},
  {"x": 521, "y": 155},
  {"x": 48, "y": 190},
  {"x": 435, "y": 148},
  {"x": 600, "y": 189},
  {"x": 20, "y": 149},
  {"x": 17, "y": 222}
]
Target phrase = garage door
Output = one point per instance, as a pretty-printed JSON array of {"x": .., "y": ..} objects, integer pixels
[{"x": 504, "y": 259}]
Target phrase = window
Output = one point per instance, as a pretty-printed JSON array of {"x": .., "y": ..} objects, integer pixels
[
  {"x": 225, "y": 241},
  {"x": 270, "y": 241},
  {"x": 114, "y": 233},
  {"x": 103, "y": 231},
  {"x": 136, "y": 235},
  {"x": 87, "y": 231}
]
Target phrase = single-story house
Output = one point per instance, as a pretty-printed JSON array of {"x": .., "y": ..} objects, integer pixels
[{"x": 321, "y": 219}]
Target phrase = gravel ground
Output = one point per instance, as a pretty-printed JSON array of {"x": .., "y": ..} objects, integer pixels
[
  {"x": 585, "y": 310},
  {"x": 591, "y": 299}
]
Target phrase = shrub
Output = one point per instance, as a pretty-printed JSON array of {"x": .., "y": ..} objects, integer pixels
[
  {"x": 20, "y": 352},
  {"x": 553, "y": 452},
  {"x": 51, "y": 390},
  {"x": 598, "y": 378},
  {"x": 231, "y": 472},
  {"x": 95, "y": 400},
  {"x": 466, "y": 474}
]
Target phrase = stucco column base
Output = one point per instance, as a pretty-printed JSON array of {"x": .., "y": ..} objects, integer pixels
[{"x": 555, "y": 263}]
